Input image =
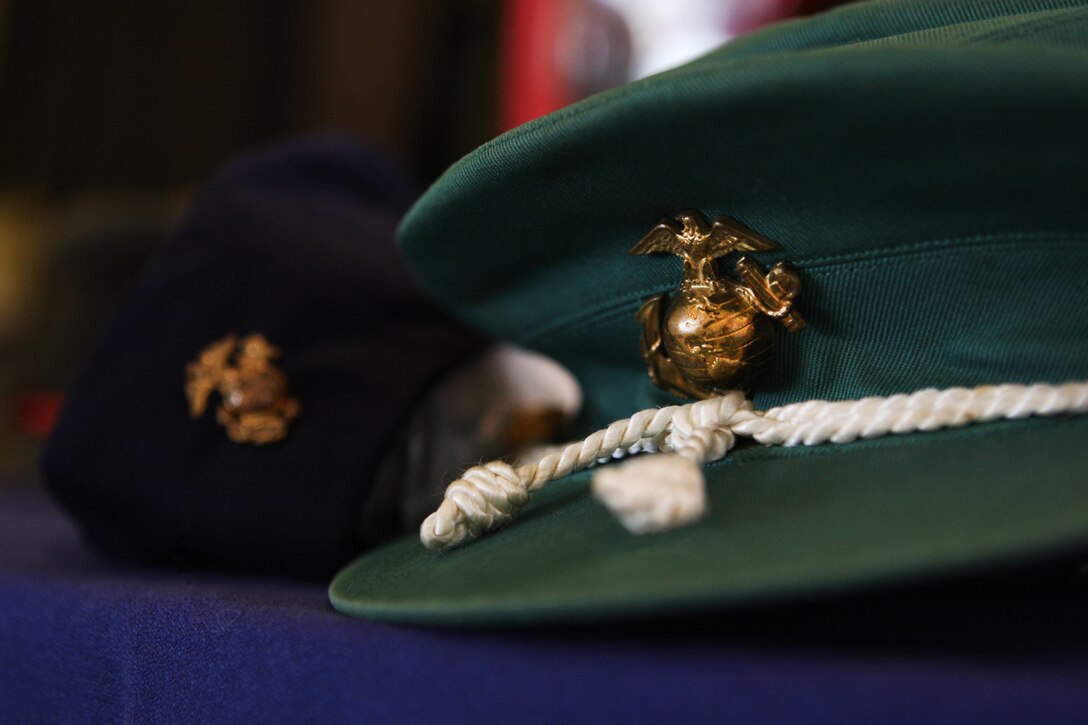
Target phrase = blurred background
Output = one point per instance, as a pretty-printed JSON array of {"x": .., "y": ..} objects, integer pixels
[{"x": 112, "y": 112}]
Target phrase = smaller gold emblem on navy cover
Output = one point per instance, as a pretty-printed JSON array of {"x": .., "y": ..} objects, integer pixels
[
  {"x": 255, "y": 406},
  {"x": 716, "y": 332}
]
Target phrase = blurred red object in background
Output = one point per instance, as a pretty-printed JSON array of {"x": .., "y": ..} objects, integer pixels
[
  {"x": 558, "y": 51},
  {"x": 35, "y": 412}
]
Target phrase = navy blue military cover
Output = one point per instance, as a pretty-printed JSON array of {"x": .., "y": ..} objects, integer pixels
[{"x": 295, "y": 244}]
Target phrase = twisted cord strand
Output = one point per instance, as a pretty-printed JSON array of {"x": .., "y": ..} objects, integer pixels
[{"x": 489, "y": 495}]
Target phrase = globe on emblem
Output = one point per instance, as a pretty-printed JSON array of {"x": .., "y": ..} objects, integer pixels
[{"x": 715, "y": 333}]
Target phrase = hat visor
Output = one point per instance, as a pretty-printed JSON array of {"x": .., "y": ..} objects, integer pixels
[{"x": 782, "y": 524}]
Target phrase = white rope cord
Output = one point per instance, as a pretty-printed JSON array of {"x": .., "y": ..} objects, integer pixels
[{"x": 490, "y": 495}]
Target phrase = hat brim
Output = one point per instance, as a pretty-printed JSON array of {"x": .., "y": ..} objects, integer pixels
[{"x": 783, "y": 524}]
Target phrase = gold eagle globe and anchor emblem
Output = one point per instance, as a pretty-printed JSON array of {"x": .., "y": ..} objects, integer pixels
[
  {"x": 254, "y": 403},
  {"x": 716, "y": 332}
]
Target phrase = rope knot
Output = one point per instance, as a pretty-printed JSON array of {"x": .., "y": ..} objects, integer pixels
[
  {"x": 702, "y": 431},
  {"x": 485, "y": 497}
]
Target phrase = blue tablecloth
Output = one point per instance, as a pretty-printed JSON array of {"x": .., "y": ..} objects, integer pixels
[{"x": 85, "y": 640}]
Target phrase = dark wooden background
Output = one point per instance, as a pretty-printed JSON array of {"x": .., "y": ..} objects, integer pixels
[{"x": 122, "y": 93}]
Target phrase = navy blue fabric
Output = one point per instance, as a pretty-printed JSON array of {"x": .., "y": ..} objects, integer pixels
[
  {"x": 295, "y": 243},
  {"x": 86, "y": 641}
]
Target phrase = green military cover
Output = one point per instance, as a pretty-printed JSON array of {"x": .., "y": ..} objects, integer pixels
[{"x": 922, "y": 165}]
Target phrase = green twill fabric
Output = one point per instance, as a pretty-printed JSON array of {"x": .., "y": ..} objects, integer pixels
[{"x": 923, "y": 166}]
